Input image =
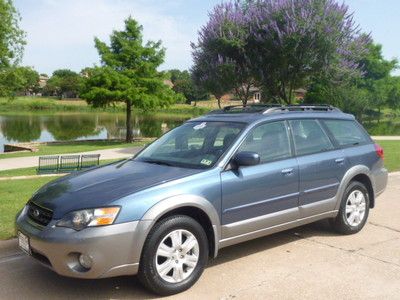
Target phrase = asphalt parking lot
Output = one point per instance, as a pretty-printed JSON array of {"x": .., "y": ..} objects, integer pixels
[{"x": 308, "y": 262}]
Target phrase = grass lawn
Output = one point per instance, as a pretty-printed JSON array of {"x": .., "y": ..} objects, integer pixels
[
  {"x": 13, "y": 196},
  {"x": 392, "y": 154},
  {"x": 43, "y": 104},
  {"x": 73, "y": 148}
]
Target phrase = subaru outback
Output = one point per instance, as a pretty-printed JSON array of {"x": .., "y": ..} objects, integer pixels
[{"x": 224, "y": 178}]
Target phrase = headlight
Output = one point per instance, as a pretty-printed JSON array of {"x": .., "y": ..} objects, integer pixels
[{"x": 81, "y": 219}]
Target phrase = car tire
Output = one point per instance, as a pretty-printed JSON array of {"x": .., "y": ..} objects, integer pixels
[
  {"x": 354, "y": 209},
  {"x": 168, "y": 266}
]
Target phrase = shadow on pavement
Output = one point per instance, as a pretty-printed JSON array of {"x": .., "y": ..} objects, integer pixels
[
  {"x": 25, "y": 278},
  {"x": 320, "y": 228}
]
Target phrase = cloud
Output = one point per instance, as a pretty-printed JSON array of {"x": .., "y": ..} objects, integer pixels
[{"x": 60, "y": 33}]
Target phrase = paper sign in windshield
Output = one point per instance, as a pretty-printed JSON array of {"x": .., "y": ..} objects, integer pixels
[{"x": 200, "y": 126}]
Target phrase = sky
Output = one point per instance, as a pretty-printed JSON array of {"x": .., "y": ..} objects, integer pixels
[{"x": 60, "y": 33}]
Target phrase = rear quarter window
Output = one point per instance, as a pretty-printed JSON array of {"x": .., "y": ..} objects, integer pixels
[{"x": 346, "y": 132}]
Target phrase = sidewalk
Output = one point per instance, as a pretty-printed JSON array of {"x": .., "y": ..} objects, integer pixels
[
  {"x": 32, "y": 161},
  {"x": 386, "y": 138}
]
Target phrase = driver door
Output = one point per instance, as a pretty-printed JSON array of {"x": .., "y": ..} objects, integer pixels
[{"x": 264, "y": 195}]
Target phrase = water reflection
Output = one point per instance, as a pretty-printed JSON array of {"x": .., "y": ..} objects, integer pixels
[
  {"x": 66, "y": 128},
  {"x": 63, "y": 127},
  {"x": 21, "y": 129}
]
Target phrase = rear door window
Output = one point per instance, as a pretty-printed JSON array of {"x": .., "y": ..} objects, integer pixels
[
  {"x": 309, "y": 137},
  {"x": 346, "y": 132}
]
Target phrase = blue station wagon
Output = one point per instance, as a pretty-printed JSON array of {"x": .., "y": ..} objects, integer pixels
[{"x": 224, "y": 178}]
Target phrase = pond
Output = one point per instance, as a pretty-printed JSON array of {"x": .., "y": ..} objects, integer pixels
[
  {"x": 78, "y": 126},
  {"x": 21, "y": 128}
]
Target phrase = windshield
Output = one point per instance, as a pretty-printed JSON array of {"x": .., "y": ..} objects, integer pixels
[{"x": 192, "y": 145}]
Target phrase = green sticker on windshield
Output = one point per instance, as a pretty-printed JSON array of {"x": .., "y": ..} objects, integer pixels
[{"x": 206, "y": 162}]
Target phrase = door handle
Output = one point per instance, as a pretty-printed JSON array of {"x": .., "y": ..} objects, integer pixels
[
  {"x": 287, "y": 171},
  {"x": 339, "y": 160}
]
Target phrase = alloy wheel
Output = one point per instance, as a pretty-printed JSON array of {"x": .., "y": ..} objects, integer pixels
[
  {"x": 355, "y": 208},
  {"x": 177, "y": 256}
]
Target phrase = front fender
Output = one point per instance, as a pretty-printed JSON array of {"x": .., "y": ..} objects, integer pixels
[{"x": 169, "y": 204}]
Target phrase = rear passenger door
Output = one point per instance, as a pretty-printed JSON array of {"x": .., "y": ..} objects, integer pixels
[{"x": 321, "y": 167}]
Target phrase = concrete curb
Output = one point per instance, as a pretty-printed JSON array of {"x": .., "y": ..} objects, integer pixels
[
  {"x": 386, "y": 138},
  {"x": 394, "y": 173}
]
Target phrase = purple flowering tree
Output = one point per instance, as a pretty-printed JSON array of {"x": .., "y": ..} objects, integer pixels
[
  {"x": 210, "y": 73},
  {"x": 293, "y": 41},
  {"x": 280, "y": 45},
  {"x": 221, "y": 52}
]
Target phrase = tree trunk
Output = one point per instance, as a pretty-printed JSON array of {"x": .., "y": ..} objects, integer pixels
[
  {"x": 128, "y": 121},
  {"x": 219, "y": 102}
]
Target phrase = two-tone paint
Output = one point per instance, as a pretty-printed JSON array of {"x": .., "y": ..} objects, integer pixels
[{"x": 238, "y": 204}]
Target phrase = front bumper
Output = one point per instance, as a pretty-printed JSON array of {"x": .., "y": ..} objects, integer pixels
[{"x": 114, "y": 249}]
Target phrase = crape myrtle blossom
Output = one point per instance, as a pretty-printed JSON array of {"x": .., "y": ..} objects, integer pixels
[
  {"x": 223, "y": 41},
  {"x": 283, "y": 44},
  {"x": 296, "y": 40}
]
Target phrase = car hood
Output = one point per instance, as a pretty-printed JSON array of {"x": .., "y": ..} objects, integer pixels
[{"x": 103, "y": 185}]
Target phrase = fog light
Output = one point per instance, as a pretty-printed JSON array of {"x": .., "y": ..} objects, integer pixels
[{"x": 85, "y": 261}]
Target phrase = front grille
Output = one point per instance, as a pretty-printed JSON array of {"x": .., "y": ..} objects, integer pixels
[{"x": 39, "y": 215}]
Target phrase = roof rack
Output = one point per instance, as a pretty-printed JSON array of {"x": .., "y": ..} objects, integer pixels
[
  {"x": 303, "y": 107},
  {"x": 251, "y": 108},
  {"x": 273, "y": 108}
]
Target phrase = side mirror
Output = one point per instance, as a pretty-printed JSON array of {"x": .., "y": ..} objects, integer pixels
[{"x": 247, "y": 158}]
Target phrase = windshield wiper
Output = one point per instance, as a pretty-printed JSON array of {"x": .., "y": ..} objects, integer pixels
[{"x": 157, "y": 162}]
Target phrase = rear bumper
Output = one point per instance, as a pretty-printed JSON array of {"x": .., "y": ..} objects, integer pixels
[
  {"x": 114, "y": 249},
  {"x": 380, "y": 179}
]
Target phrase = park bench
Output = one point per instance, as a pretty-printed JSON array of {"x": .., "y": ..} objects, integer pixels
[{"x": 67, "y": 163}]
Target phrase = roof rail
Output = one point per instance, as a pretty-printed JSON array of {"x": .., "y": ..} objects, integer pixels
[
  {"x": 251, "y": 108},
  {"x": 270, "y": 108},
  {"x": 303, "y": 107}
]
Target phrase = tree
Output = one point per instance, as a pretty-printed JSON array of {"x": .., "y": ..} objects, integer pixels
[
  {"x": 12, "y": 41},
  {"x": 183, "y": 84},
  {"x": 224, "y": 39},
  {"x": 12, "y": 38},
  {"x": 64, "y": 83},
  {"x": 393, "y": 96},
  {"x": 359, "y": 95},
  {"x": 292, "y": 42},
  {"x": 211, "y": 74},
  {"x": 128, "y": 74},
  {"x": 29, "y": 79}
]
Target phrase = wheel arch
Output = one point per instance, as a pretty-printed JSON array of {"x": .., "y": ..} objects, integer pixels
[
  {"x": 357, "y": 173},
  {"x": 364, "y": 179},
  {"x": 193, "y": 206}
]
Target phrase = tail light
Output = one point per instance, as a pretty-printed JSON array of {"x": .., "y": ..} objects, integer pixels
[{"x": 379, "y": 151}]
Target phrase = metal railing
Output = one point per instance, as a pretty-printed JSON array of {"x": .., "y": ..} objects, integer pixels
[{"x": 67, "y": 163}]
